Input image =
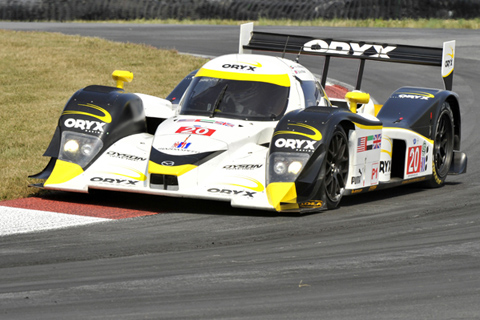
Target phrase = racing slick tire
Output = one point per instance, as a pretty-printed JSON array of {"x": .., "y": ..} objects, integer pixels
[
  {"x": 336, "y": 168},
  {"x": 442, "y": 147}
]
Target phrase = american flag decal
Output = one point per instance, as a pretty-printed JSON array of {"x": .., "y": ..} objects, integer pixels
[{"x": 369, "y": 142}]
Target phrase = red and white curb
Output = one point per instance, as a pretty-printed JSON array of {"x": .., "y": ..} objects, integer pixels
[
  {"x": 40, "y": 214},
  {"x": 17, "y": 220}
]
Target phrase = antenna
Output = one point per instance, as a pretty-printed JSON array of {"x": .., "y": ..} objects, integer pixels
[
  {"x": 285, "y": 47},
  {"x": 298, "y": 55}
]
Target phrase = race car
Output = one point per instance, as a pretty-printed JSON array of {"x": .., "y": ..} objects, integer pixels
[{"x": 260, "y": 132}]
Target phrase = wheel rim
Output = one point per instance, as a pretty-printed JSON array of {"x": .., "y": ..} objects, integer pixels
[
  {"x": 336, "y": 167},
  {"x": 443, "y": 145}
]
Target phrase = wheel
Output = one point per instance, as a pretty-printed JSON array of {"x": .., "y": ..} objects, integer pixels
[
  {"x": 336, "y": 168},
  {"x": 442, "y": 147}
]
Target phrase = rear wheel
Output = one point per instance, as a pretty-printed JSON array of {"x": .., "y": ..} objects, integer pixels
[
  {"x": 442, "y": 147},
  {"x": 336, "y": 169}
]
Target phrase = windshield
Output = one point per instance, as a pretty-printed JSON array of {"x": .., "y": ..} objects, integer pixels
[
  {"x": 314, "y": 93},
  {"x": 247, "y": 100}
]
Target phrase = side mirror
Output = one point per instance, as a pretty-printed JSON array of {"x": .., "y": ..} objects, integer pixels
[
  {"x": 121, "y": 76},
  {"x": 355, "y": 97}
]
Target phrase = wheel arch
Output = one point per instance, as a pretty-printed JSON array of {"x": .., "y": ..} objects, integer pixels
[{"x": 455, "y": 107}]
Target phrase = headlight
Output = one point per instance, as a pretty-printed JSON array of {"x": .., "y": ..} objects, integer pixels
[
  {"x": 79, "y": 148},
  {"x": 71, "y": 146},
  {"x": 295, "y": 167},
  {"x": 285, "y": 167}
]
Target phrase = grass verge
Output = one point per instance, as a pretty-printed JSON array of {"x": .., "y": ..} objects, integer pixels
[{"x": 38, "y": 74}]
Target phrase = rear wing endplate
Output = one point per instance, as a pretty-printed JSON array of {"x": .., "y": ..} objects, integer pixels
[{"x": 362, "y": 50}]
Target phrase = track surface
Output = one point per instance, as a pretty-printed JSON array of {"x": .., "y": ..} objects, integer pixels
[{"x": 404, "y": 253}]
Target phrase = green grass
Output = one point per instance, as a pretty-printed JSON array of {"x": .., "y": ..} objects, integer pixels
[{"x": 38, "y": 74}]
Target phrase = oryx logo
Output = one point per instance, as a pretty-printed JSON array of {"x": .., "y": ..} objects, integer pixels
[
  {"x": 244, "y": 193},
  {"x": 88, "y": 125},
  {"x": 317, "y": 136},
  {"x": 114, "y": 181},
  {"x": 85, "y": 125},
  {"x": 348, "y": 48},
  {"x": 244, "y": 67},
  {"x": 106, "y": 117},
  {"x": 295, "y": 144},
  {"x": 415, "y": 95}
]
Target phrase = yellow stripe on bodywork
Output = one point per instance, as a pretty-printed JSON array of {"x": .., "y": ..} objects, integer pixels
[
  {"x": 362, "y": 126},
  {"x": 259, "y": 187},
  {"x": 317, "y": 136},
  {"x": 105, "y": 118},
  {"x": 169, "y": 170},
  {"x": 278, "y": 192},
  {"x": 278, "y": 79},
  {"x": 423, "y": 137},
  {"x": 63, "y": 172},
  {"x": 140, "y": 176}
]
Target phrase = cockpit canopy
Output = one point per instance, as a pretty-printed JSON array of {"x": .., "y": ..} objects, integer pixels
[{"x": 237, "y": 99}]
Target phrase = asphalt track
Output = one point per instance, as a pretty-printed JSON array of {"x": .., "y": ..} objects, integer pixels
[{"x": 406, "y": 253}]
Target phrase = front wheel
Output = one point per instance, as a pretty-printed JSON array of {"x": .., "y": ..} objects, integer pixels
[
  {"x": 442, "y": 147},
  {"x": 336, "y": 168}
]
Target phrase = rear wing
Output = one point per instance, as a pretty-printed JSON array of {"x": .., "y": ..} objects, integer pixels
[{"x": 265, "y": 41}]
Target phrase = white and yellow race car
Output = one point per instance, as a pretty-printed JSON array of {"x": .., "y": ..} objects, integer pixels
[{"x": 260, "y": 132}]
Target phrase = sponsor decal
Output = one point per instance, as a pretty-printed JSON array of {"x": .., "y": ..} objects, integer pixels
[
  {"x": 182, "y": 145},
  {"x": 85, "y": 125},
  {"x": 311, "y": 204},
  {"x": 417, "y": 159},
  {"x": 369, "y": 143},
  {"x": 414, "y": 180},
  {"x": 348, "y": 48},
  {"x": 415, "y": 95},
  {"x": 125, "y": 156},
  {"x": 244, "y": 67},
  {"x": 242, "y": 166},
  {"x": 196, "y": 130},
  {"x": 449, "y": 62},
  {"x": 176, "y": 149},
  {"x": 385, "y": 166},
  {"x": 298, "y": 144},
  {"x": 295, "y": 144},
  {"x": 357, "y": 179},
  {"x": 374, "y": 178},
  {"x": 221, "y": 123},
  {"x": 424, "y": 157},
  {"x": 91, "y": 126},
  {"x": 244, "y": 193},
  {"x": 414, "y": 159},
  {"x": 114, "y": 181}
]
